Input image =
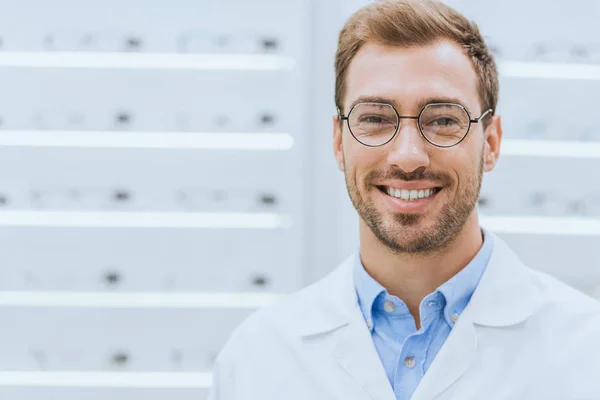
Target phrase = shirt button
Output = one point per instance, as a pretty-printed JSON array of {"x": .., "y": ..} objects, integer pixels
[
  {"x": 389, "y": 306},
  {"x": 454, "y": 317},
  {"x": 410, "y": 362},
  {"x": 369, "y": 324}
]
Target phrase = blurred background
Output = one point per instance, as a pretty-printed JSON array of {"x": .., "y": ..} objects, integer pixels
[{"x": 166, "y": 169}]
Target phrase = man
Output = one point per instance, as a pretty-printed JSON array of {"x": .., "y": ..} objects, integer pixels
[{"x": 431, "y": 306}]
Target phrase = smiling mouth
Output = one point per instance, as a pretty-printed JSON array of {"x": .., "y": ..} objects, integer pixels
[{"x": 409, "y": 195}]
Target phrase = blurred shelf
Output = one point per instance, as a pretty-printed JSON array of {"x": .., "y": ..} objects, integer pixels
[
  {"x": 155, "y": 300},
  {"x": 534, "y": 225},
  {"x": 122, "y": 219},
  {"x": 246, "y": 141},
  {"x": 548, "y": 70},
  {"x": 161, "y": 380},
  {"x": 549, "y": 148},
  {"x": 147, "y": 140},
  {"x": 177, "y": 61}
]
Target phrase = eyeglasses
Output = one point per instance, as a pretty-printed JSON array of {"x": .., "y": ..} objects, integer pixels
[{"x": 441, "y": 124}]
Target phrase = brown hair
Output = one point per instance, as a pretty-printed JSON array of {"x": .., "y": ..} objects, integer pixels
[{"x": 409, "y": 23}]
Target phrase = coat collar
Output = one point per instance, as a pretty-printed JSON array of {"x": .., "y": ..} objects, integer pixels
[
  {"x": 506, "y": 295},
  {"x": 335, "y": 299}
]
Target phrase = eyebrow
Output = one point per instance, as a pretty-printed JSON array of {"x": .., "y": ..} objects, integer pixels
[{"x": 422, "y": 103}]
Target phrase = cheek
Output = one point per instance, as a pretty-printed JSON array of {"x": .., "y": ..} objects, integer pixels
[
  {"x": 471, "y": 150},
  {"x": 464, "y": 166},
  {"x": 363, "y": 161}
]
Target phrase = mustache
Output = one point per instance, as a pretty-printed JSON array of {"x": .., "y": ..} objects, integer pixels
[{"x": 417, "y": 175}]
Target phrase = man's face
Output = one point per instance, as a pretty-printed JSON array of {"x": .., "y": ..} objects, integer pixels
[{"x": 409, "y": 78}]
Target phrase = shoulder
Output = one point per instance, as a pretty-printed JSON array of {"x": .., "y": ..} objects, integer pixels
[
  {"x": 509, "y": 280},
  {"x": 318, "y": 304},
  {"x": 568, "y": 320},
  {"x": 562, "y": 299},
  {"x": 571, "y": 323}
]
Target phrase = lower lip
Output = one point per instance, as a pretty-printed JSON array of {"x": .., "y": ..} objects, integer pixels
[{"x": 407, "y": 206}]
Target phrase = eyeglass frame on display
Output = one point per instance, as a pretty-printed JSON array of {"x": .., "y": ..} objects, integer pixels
[{"x": 418, "y": 117}]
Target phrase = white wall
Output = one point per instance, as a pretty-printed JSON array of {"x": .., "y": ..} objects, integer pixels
[{"x": 292, "y": 221}]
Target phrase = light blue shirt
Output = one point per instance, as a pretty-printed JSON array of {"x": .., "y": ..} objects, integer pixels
[{"x": 405, "y": 352}]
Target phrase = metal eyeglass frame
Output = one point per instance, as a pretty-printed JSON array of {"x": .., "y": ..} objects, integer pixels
[{"x": 471, "y": 121}]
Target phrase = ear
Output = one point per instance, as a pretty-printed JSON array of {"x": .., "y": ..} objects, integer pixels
[
  {"x": 493, "y": 138},
  {"x": 338, "y": 147}
]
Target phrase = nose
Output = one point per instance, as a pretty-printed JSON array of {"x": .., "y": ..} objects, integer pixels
[{"x": 408, "y": 149}]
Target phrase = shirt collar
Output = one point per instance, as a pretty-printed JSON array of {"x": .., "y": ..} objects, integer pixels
[{"x": 457, "y": 291}]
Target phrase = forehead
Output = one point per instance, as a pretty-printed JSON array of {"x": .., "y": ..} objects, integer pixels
[{"x": 408, "y": 76}]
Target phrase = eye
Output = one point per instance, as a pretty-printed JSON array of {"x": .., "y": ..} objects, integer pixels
[
  {"x": 443, "y": 122},
  {"x": 375, "y": 119}
]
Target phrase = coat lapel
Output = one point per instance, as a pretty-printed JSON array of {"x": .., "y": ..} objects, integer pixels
[
  {"x": 452, "y": 361},
  {"x": 352, "y": 348},
  {"x": 357, "y": 355}
]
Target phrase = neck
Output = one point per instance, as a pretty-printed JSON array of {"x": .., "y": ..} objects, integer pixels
[{"x": 412, "y": 277}]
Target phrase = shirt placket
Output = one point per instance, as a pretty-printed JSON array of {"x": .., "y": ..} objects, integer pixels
[{"x": 411, "y": 363}]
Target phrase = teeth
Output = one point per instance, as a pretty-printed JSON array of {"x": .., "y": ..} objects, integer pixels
[{"x": 410, "y": 194}]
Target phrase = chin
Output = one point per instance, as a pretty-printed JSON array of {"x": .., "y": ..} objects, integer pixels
[{"x": 413, "y": 220}]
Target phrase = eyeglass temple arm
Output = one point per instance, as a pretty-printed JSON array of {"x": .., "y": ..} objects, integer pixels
[
  {"x": 342, "y": 116},
  {"x": 482, "y": 116}
]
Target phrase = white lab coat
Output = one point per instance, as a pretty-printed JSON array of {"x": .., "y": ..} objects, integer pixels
[{"x": 524, "y": 335}]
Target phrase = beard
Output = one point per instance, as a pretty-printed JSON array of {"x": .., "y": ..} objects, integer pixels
[{"x": 401, "y": 233}]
